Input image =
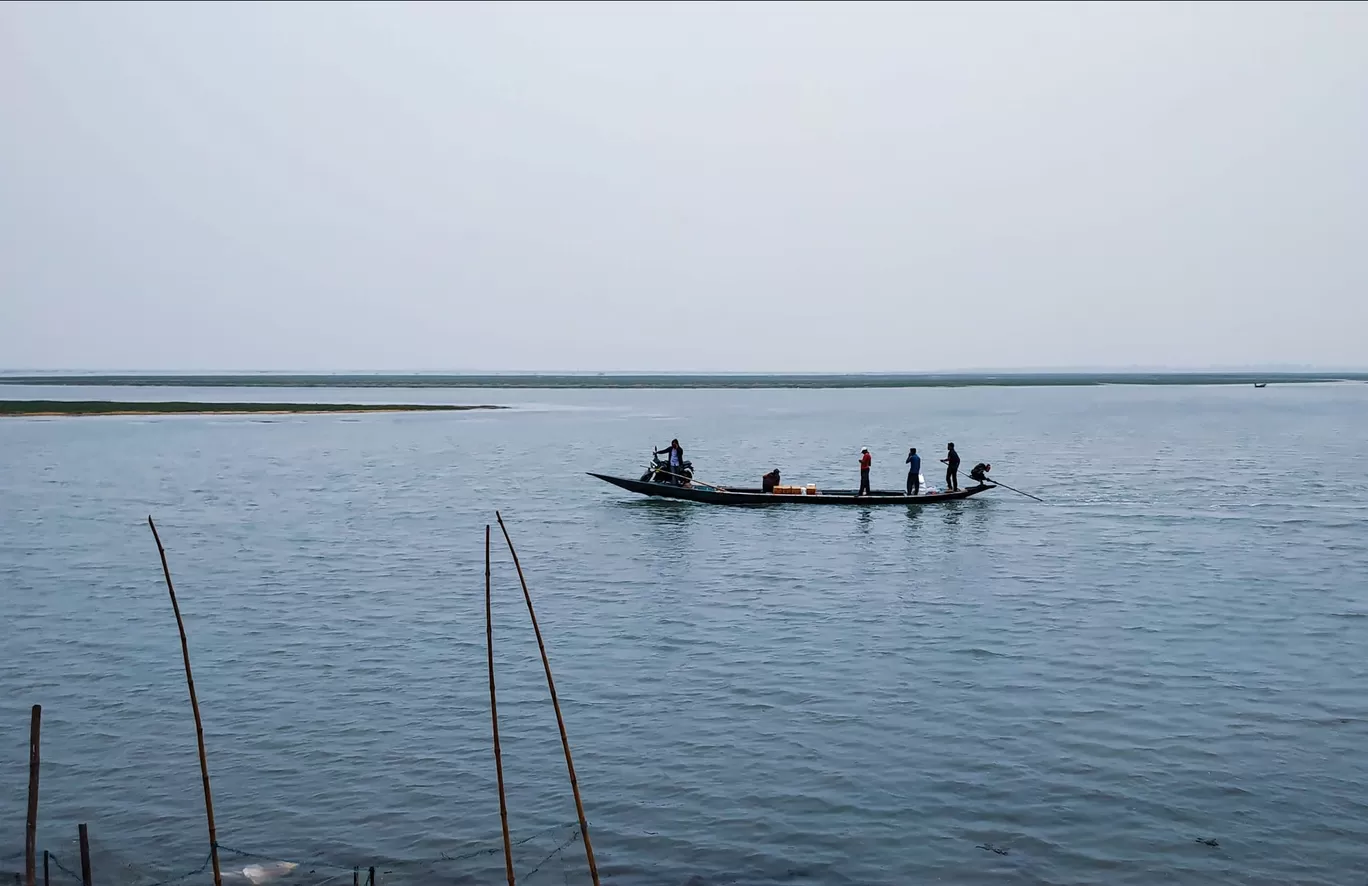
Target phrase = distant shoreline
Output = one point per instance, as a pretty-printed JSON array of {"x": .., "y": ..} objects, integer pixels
[
  {"x": 682, "y": 381},
  {"x": 70, "y": 408}
]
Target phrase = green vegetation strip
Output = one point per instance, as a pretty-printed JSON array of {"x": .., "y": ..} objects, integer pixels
[{"x": 113, "y": 407}]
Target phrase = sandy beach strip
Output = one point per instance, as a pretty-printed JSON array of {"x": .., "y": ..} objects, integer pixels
[{"x": 77, "y": 408}]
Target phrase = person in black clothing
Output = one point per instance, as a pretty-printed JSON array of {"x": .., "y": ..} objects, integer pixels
[
  {"x": 769, "y": 481},
  {"x": 951, "y": 462},
  {"x": 980, "y": 473},
  {"x": 676, "y": 462}
]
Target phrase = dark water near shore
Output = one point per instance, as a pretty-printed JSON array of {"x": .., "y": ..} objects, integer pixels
[{"x": 1172, "y": 648}]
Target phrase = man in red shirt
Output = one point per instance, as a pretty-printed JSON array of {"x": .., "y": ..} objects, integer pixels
[{"x": 865, "y": 462}]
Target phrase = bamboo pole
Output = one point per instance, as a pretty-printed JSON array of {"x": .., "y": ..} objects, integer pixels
[
  {"x": 555, "y": 703},
  {"x": 46, "y": 877},
  {"x": 85, "y": 854},
  {"x": 494, "y": 714},
  {"x": 31, "y": 825},
  {"x": 194, "y": 705}
]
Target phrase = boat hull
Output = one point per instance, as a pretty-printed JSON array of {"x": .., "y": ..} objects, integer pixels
[{"x": 724, "y": 495}]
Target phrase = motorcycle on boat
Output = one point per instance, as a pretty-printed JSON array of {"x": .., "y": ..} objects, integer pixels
[{"x": 659, "y": 472}]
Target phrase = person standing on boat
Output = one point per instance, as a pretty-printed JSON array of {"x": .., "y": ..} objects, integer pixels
[
  {"x": 676, "y": 462},
  {"x": 913, "y": 472},
  {"x": 865, "y": 461},
  {"x": 951, "y": 462}
]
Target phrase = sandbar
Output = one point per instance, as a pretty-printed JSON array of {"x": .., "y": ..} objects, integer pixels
[{"x": 70, "y": 408}]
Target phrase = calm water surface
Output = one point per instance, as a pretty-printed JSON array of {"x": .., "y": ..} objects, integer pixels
[{"x": 1174, "y": 647}]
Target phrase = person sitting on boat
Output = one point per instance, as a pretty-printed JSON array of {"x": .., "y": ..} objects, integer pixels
[
  {"x": 769, "y": 481},
  {"x": 980, "y": 473},
  {"x": 913, "y": 472},
  {"x": 676, "y": 462},
  {"x": 865, "y": 461}
]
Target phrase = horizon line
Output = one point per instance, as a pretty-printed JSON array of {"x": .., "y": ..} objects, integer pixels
[
  {"x": 1283, "y": 369},
  {"x": 678, "y": 381}
]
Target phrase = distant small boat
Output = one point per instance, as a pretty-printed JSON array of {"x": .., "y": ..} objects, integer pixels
[
  {"x": 1261, "y": 384},
  {"x": 727, "y": 495}
]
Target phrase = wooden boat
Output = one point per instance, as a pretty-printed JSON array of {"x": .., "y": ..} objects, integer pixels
[
  {"x": 730, "y": 495},
  {"x": 1262, "y": 384}
]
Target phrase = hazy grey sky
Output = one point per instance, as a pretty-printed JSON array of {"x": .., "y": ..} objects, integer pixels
[{"x": 686, "y": 186}]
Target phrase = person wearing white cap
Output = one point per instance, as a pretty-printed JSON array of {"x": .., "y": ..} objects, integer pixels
[{"x": 865, "y": 461}]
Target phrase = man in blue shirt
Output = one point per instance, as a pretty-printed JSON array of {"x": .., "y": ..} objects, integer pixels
[{"x": 913, "y": 472}]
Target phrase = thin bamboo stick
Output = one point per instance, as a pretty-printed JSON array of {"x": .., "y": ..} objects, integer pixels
[
  {"x": 555, "y": 703},
  {"x": 31, "y": 824},
  {"x": 194, "y": 705},
  {"x": 85, "y": 854},
  {"x": 494, "y": 714}
]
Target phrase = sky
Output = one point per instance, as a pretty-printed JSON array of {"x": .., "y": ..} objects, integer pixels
[{"x": 682, "y": 186}]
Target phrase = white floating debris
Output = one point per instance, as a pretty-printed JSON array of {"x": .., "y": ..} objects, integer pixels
[{"x": 260, "y": 873}]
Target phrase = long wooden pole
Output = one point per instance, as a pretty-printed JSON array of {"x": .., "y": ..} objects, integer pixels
[
  {"x": 194, "y": 705},
  {"x": 993, "y": 482},
  {"x": 494, "y": 713},
  {"x": 31, "y": 828},
  {"x": 85, "y": 854},
  {"x": 555, "y": 703},
  {"x": 692, "y": 481}
]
